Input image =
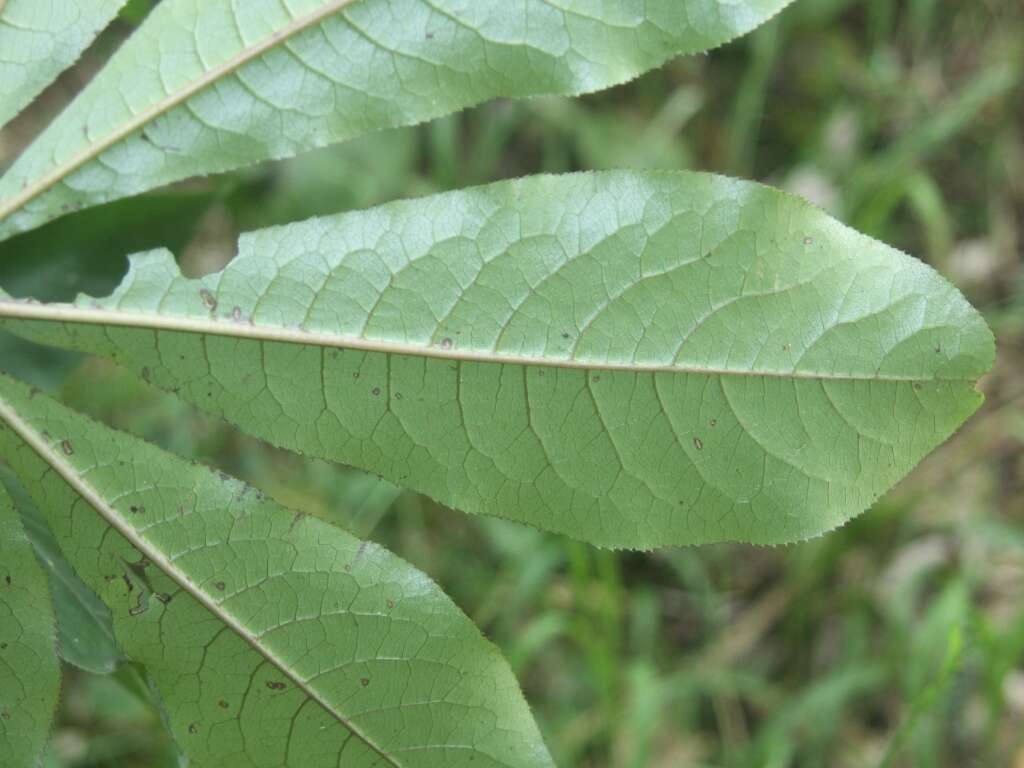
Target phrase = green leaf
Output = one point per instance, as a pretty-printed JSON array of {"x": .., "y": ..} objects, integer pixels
[
  {"x": 633, "y": 359},
  {"x": 210, "y": 85},
  {"x": 274, "y": 638},
  {"x": 39, "y": 39},
  {"x": 29, "y": 670},
  {"x": 85, "y": 635}
]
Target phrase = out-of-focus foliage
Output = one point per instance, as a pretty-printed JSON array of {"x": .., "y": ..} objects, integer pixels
[{"x": 900, "y": 638}]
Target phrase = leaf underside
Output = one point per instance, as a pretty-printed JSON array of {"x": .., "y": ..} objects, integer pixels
[
  {"x": 634, "y": 360},
  {"x": 274, "y": 639},
  {"x": 209, "y": 85},
  {"x": 39, "y": 39},
  {"x": 29, "y": 670}
]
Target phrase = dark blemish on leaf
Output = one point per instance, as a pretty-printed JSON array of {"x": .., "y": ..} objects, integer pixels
[
  {"x": 364, "y": 682},
  {"x": 391, "y": 604},
  {"x": 296, "y": 519},
  {"x": 219, "y": 586},
  {"x": 446, "y": 343},
  {"x": 398, "y": 395},
  {"x": 430, "y": 35},
  {"x": 808, "y": 241},
  {"x": 713, "y": 422},
  {"x": 163, "y": 597},
  {"x": 275, "y": 685},
  {"x": 208, "y": 299},
  {"x": 7, "y": 580},
  {"x": 785, "y": 347},
  {"x": 360, "y": 551},
  {"x": 375, "y": 391},
  {"x": 236, "y": 314},
  {"x": 146, "y": 376},
  {"x": 67, "y": 448},
  {"x": 597, "y": 378},
  {"x": 698, "y": 444},
  {"x": 138, "y": 610},
  {"x": 938, "y": 349},
  {"x": 222, "y": 704},
  {"x": 3, "y": 646},
  {"x": 5, "y": 716},
  {"x": 137, "y": 510},
  {"x": 355, "y": 375},
  {"x": 917, "y": 385},
  {"x": 565, "y": 334},
  {"x": 348, "y": 568},
  {"x": 193, "y": 727}
]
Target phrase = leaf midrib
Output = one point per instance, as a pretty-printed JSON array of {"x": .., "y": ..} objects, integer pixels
[
  {"x": 95, "y": 149},
  {"x": 13, "y": 309},
  {"x": 59, "y": 464}
]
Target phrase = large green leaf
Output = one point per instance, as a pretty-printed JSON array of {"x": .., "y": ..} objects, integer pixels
[
  {"x": 632, "y": 359},
  {"x": 274, "y": 639},
  {"x": 39, "y": 39},
  {"x": 29, "y": 670},
  {"x": 209, "y": 85}
]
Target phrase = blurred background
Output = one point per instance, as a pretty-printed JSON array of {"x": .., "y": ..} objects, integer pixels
[{"x": 896, "y": 641}]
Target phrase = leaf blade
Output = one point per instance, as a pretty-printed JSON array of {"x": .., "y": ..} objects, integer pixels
[
  {"x": 85, "y": 636},
  {"x": 42, "y": 38},
  {"x": 592, "y": 354},
  {"x": 29, "y": 670},
  {"x": 244, "y": 613},
  {"x": 264, "y": 84}
]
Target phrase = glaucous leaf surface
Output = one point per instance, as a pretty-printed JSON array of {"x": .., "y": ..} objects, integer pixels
[
  {"x": 39, "y": 39},
  {"x": 633, "y": 359},
  {"x": 29, "y": 670},
  {"x": 209, "y": 85},
  {"x": 85, "y": 633},
  {"x": 273, "y": 638}
]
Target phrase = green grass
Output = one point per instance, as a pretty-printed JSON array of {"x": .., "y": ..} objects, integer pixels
[{"x": 898, "y": 640}]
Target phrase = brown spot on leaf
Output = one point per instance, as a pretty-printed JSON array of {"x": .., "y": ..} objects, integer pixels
[
  {"x": 364, "y": 682},
  {"x": 713, "y": 422},
  {"x": 236, "y": 314},
  {"x": 375, "y": 391},
  {"x": 193, "y": 727},
  {"x": 698, "y": 444},
  {"x": 808, "y": 241},
  {"x": 163, "y": 597},
  {"x": 137, "y": 510},
  {"x": 67, "y": 448},
  {"x": 391, "y": 604},
  {"x": 208, "y": 299},
  {"x": 219, "y": 585},
  {"x": 447, "y": 343},
  {"x": 276, "y": 685},
  {"x": 222, "y": 704}
]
